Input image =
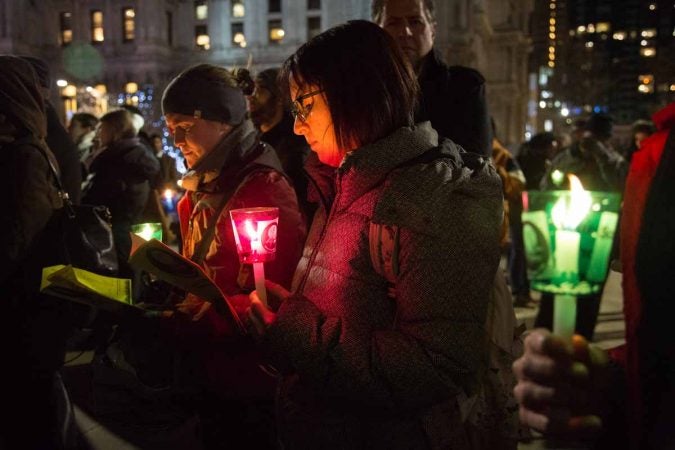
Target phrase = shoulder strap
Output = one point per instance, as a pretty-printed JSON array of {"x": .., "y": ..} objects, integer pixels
[{"x": 55, "y": 173}]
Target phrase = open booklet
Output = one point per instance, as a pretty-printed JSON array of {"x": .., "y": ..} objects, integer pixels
[
  {"x": 82, "y": 286},
  {"x": 173, "y": 268}
]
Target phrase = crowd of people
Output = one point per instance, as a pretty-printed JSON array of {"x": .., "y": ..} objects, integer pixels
[{"x": 386, "y": 294}]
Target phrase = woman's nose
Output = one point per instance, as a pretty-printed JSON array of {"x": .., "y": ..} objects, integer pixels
[{"x": 299, "y": 126}]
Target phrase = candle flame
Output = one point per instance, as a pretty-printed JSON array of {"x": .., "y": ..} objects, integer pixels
[
  {"x": 568, "y": 212},
  {"x": 252, "y": 232},
  {"x": 168, "y": 194}
]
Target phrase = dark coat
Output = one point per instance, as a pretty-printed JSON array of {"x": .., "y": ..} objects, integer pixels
[
  {"x": 251, "y": 179},
  {"x": 365, "y": 371},
  {"x": 59, "y": 142},
  {"x": 453, "y": 99},
  {"x": 122, "y": 175}
]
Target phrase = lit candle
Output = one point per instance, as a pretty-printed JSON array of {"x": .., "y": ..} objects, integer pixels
[
  {"x": 567, "y": 214},
  {"x": 258, "y": 267},
  {"x": 255, "y": 233}
]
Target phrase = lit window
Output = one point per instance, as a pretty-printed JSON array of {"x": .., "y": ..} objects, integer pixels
[
  {"x": 602, "y": 27},
  {"x": 542, "y": 104},
  {"x": 619, "y": 36},
  {"x": 652, "y": 6},
  {"x": 97, "y": 26},
  {"x": 546, "y": 94},
  {"x": 648, "y": 33},
  {"x": 238, "y": 38},
  {"x": 551, "y": 29},
  {"x": 572, "y": 32},
  {"x": 552, "y": 6},
  {"x": 590, "y": 28},
  {"x": 313, "y": 4},
  {"x": 672, "y": 87},
  {"x": 66, "y": 27},
  {"x": 201, "y": 10},
  {"x": 645, "y": 89},
  {"x": 313, "y": 27},
  {"x": 274, "y": 6},
  {"x": 238, "y": 9},
  {"x": 128, "y": 24},
  {"x": 648, "y": 52},
  {"x": 644, "y": 42},
  {"x": 552, "y": 21},
  {"x": 131, "y": 87},
  {"x": 276, "y": 32},
  {"x": 551, "y": 36},
  {"x": 202, "y": 39},
  {"x": 581, "y": 29},
  {"x": 589, "y": 44}
]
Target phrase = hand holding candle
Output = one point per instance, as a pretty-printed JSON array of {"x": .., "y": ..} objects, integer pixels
[{"x": 255, "y": 232}]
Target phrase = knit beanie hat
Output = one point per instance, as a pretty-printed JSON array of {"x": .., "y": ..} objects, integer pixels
[{"x": 205, "y": 91}]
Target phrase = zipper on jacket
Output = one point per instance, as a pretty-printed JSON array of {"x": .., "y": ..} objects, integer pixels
[{"x": 322, "y": 235}]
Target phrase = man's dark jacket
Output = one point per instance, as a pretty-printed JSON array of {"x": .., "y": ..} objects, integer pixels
[{"x": 453, "y": 99}]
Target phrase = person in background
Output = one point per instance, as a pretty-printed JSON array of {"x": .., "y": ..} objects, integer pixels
[
  {"x": 229, "y": 168},
  {"x": 599, "y": 168},
  {"x": 535, "y": 157},
  {"x": 82, "y": 129},
  {"x": 452, "y": 98},
  {"x": 57, "y": 138},
  {"x": 120, "y": 172},
  {"x": 270, "y": 114},
  {"x": 362, "y": 369},
  {"x": 639, "y": 131},
  {"x": 622, "y": 399},
  {"x": 513, "y": 185},
  {"x": 33, "y": 328}
]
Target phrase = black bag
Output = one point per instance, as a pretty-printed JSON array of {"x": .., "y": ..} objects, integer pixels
[{"x": 87, "y": 232}]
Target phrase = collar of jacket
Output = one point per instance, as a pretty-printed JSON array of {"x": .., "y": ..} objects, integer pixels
[
  {"x": 232, "y": 148},
  {"x": 368, "y": 166}
]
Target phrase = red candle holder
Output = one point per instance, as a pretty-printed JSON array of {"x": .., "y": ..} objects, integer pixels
[{"x": 255, "y": 233}]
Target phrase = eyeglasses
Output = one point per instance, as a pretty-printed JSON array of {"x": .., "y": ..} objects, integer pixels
[{"x": 301, "y": 111}]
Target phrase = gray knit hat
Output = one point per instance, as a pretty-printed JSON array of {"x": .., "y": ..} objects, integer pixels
[{"x": 205, "y": 91}]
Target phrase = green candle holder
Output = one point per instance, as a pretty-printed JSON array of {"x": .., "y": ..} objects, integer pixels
[
  {"x": 568, "y": 260},
  {"x": 148, "y": 231}
]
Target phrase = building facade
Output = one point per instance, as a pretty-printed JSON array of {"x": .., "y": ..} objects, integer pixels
[
  {"x": 612, "y": 56},
  {"x": 109, "y": 52}
]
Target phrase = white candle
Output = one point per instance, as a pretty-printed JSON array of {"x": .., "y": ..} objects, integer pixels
[
  {"x": 567, "y": 255},
  {"x": 258, "y": 267}
]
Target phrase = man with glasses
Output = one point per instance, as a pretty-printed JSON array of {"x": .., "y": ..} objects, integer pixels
[
  {"x": 271, "y": 116},
  {"x": 452, "y": 98}
]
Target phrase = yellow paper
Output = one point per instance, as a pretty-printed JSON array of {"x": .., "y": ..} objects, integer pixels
[{"x": 83, "y": 281}]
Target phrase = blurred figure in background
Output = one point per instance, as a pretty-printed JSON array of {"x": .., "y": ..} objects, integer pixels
[
  {"x": 639, "y": 131},
  {"x": 82, "y": 130},
  {"x": 119, "y": 177},
  {"x": 535, "y": 156},
  {"x": 270, "y": 114},
  {"x": 513, "y": 185},
  {"x": 33, "y": 328},
  {"x": 58, "y": 140}
]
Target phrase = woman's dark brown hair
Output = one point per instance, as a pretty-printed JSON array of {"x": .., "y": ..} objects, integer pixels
[{"x": 370, "y": 88}]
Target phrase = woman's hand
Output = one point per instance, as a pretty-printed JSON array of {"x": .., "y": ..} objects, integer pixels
[
  {"x": 559, "y": 385},
  {"x": 193, "y": 307},
  {"x": 260, "y": 316}
]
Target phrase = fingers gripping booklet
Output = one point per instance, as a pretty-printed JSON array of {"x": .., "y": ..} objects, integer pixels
[
  {"x": 115, "y": 293},
  {"x": 173, "y": 268}
]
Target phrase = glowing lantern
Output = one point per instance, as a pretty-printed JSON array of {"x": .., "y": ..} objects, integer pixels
[
  {"x": 568, "y": 239},
  {"x": 255, "y": 233},
  {"x": 148, "y": 231}
]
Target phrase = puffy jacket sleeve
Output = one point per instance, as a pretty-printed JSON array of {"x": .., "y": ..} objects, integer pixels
[{"x": 449, "y": 252}]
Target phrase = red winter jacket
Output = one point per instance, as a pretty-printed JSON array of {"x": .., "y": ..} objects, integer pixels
[{"x": 642, "y": 170}]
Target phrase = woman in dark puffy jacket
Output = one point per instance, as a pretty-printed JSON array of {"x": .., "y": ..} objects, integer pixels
[
  {"x": 119, "y": 178},
  {"x": 363, "y": 368}
]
